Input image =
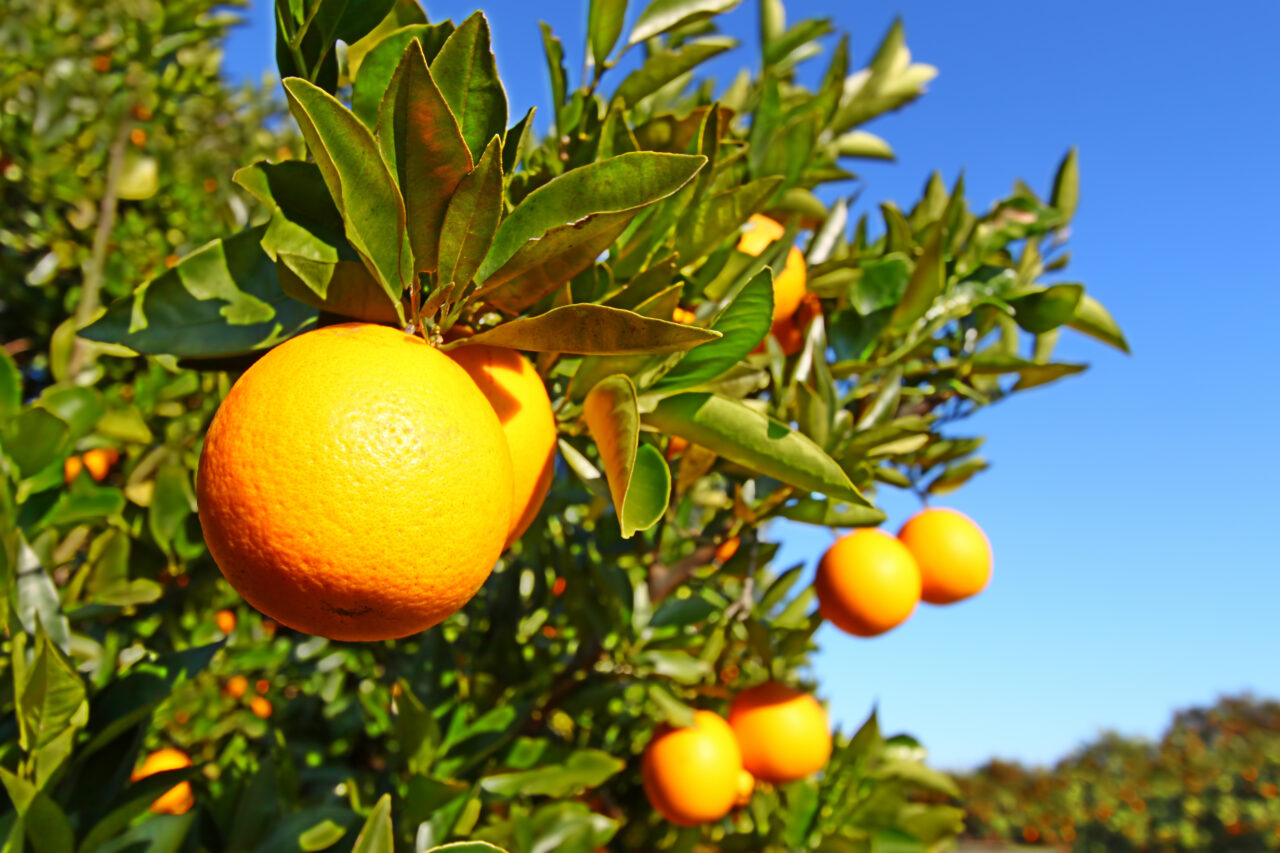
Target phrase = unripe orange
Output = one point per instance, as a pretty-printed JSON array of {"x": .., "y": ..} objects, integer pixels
[
  {"x": 176, "y": 800},
  {"x": 952, "y": 552},
  {"x": 867, "y": 583},
  {"x": 225, "y": 620},
  {"x": 782, "y": 732},
  {"x": 691, "y": 774},
  {"x": 237, "y": 685}
]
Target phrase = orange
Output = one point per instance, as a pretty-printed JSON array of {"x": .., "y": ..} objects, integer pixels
[
  {"x": 72, "y": 468},
  {"x": 225, "y": 620},
  {"x": 727, "y": 549},
  {"x": 260, "y": 706},
  {"x": 355, "y": 484},
  {"x": 952, "y": 552},
  {"x": 176, "y": 800},
  {"x": 99, "y": 461},
  {"x": 675, "y": 446},
  {"x": 790, "y": 332},
  {"x": 789, "y": 283},
  {"x": 691, "y": 774},
  {"x": 237, "y": 685},
  {"x": 518, "y": 396},
  {"x": 684, "y": 315},
  {"x": 746, "y": 787},
  {"x": 782, "y": 732},
  {"x": 867, "y": 583}
]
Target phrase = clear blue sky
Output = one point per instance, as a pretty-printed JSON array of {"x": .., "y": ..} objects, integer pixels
[{"x": 1132, "y": 510}]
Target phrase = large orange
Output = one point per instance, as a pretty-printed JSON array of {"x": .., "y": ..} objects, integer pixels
[
  {"x": 789, "y": 283},
  {"x": 782, "y": 732},
  {"x": 355, "y": 484},
  {"x": 176, "y": 800},
  {"x": 952, "y": 551},
  {"x": 518, "y": 396},
  {"x": 691, "y": 774},
  {"x": 867, "y": 583}
]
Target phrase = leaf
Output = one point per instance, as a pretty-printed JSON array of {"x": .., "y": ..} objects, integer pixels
[
  {"x": 915, "y": 773},
  {"x": 926, "y": 282},
  {"x": 1066, "y": 185},
  {"x": 471, "y": 218},
  {"x": 38, "y": 606},
  {"x": 720, "y": 216},
  {"x": 10, "y": 388},
  {"x": 678, "y": 612},
  {"x": 859, "y": 143},
  {"x": 676, "y": 665},
  {"x": 955, "y": 476},
  {"x": 465, "y": 71},
  {"x": 422, "y": 143},
  {"x": 554, "y": 52},
  {"x": 671, "y": 710},
  {"x": 604, "y": 25},
  {"x": 223, "y": 299},
  {"x": 361, "y": 186},
  {"x": 52, "y": 696},
  {"x": 649, "y": 492},
  {"x": 584, "y": 769},
  {"x": 417, "y": 730},
  {"x": 135, "y": 800},
  {"x": 466, "y": 847},
  {"x": 881, "y": 285},
  {"x": 829, "y": 513},
  {"x": 623, "y": 183},
  {"x": 377, "y": 836},
  {"x": 613, "y": 419},
  {"x": 743, "y": 435},
  {"x": 517, "y": 141},
  {"x": 172, "y": 501},
  {"x": 45, "y": 824},
  {"x": 381, "y": 62},
  {"x": 743, "y": 325},
  {"x": 1092, "y": 319},
  {"x": 317, "y": 828},
  {"x": 662, "y": 16},
  {"x": 35, "y": 440},
  {"x": 156, "y": 834},
  {"x": 345, "y": 288},
  {"x": 588, "y": 329},
  {"x": 663, "y": 66},
  {"x": 1047, "y": 309}
]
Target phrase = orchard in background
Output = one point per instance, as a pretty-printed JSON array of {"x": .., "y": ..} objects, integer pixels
[{"x": 631, "y": 394}]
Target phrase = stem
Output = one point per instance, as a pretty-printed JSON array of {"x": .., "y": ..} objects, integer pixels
[
  {"x": 295, "y": 50},
  {"x": 93, "y": 273}
]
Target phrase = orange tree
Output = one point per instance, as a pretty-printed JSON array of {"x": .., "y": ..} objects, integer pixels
[{"x": 626, "y": 254}]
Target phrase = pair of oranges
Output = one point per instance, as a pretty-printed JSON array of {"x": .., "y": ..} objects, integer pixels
[
  {"x": 698, "y": 774},
  {"x": 870, "y": 581},
  {"x": 358, "y": 483}
]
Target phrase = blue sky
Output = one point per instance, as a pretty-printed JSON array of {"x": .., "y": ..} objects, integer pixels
[{"x": 1131, "y": 510}]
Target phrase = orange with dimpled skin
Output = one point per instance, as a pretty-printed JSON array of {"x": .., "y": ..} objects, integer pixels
[
  {"x": 783, "y": 732},
  {"x": 691, "y": 774},
  {"x": 953, "y": 554}
]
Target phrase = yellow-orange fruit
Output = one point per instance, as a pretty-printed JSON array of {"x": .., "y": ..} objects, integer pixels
[
  {"x": 746, "y": 787},
  {"x": 684, "y": 315},
  {"x": 237, "y": 685},
  {"x": 789, "y": 332},
  {"x": 789, "y": 282},
  {"x": 260, "y": 706},
  {"x": 355, "y": 484},
  {"x": 72, "y": 468},
  {"x": 727, "y": 549},
  {"x": 952, "y": 552},
  {"x": 867, "y": 583},
  {"x": 176, "y": 800},
  {"x": 225, "y": 620},
  {"x": 691, "y": 774},
  {"x": 99, "y": 461},
  {"x": 782, "y": 732},
  {"x": 519, "y": 397},
  {"x": 675, "y": 446}
]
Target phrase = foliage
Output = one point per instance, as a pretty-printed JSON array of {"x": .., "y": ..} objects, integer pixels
[
  {"x": 520, "y": 720},
  {"x": 1210, "y": 783}
]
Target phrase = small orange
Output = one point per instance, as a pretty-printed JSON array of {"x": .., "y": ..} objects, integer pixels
[
  {"x": 782, "y": 732},
  {"x": 262, "y": 686},
  {"x": 867, "y": 583},
  {"x": 789, "y": 283},
  {"x": 225, "y": 620},
  {"x": 237, "y": 685},
  {"x": 260, "y": 706},
  {"x": 99, "y": 461},
  {"x": 72, "y": 468},
  {"x": 726, "y": 549},
  {"x": 952, "y": 552},
  {"x": 746, "y": 787},
  {"x": 519, "y": 397},
  {"x": 176, "y": 800},
  {"x": 691, "y": 774},
  {"x": 790, "y": 332},
  {"x": 684, "y": 315},
  {"x": 559, "y": 586},
  {"x": 675, "y": 446}
]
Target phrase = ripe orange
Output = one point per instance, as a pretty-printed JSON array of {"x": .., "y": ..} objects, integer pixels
[
  {"x": 790, "y": 332},
  {"x": 684, "y": 315},
  {"x": 518, "y": 396},
  {"x": 237, "y": 685},
  {"x": 260, "y": 706},
  {"x": 746, "y": 787},
  {"x": 952, "y": 552},
  {"x": 225, "y": 620},
  {"x": 99, "y": 461},
  {"x": 675, "y": 446},
  {"x": 782, "y": 732},
  {"x": 789, "y": 282},
  {"x": 727, "y": 549},
  {"x": 867, "y": 583},
  {"x": 691, "y": 774},
  {"x": 355, "y": 484},
  {"x": 176, "y": 800},
  {"x": 72, "y": 468}
]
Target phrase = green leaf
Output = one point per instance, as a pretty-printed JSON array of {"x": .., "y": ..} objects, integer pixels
[
  {"x": 381, "y": 62},
  {"x": 35, "y": 440},
  {"x": 743, "y": 435},
  {"x": 881, "y": 284},
  {"x": 676, "y": 665},
  {"x": 613, "y": 419},
  {"x": 678, "y": 612},
  {"x": 1066, "y": 185},
  {"x": 1047, "y": 309},
  {"x": 51, "y": 701},
  {"x": 786, "y": 46},
  {"x": 554, "y": 52},
  {"x": 1092, "y": 319},
  {"x": 588, "y": 329},
  {"x": 10, "y": 388},
  {"x": 670, "y": 709},
  {"x": 829, "y": 513},
  {"x": 648, "y": 493},
  {"x": 345, "y": 288},
  {"x": 135, "y": 800},
  {"x": 663, "y": 66},
  {"x": 584, "y": 769},
  {"x": 45, "y": 824},
  {"x": 720, "y": 216},
  {"x": 421, "y": 141},
  {"x": 172, "y": 500},
  {"x": 917, "y": 774},
  {"x": 743, "y": 325},
  {"x": 37, "y": 598},
  {"x": 316, "y": 828},
  {"x": 466, "y": 847},
  {"x": 465, "y": 71},
  {"x": 926, "y": 282},
  {"x": 604, "y": 25},
  {"x": 662, "y": 16},
  {"x": 955, "y": 476},
  {"x": 377, "y": 836},
  {"x": 517, "y": 141},
  {"x": 624, "y": 183},
  {"x": 417, "y": 730},
  {"x": 471, "y": 219},
  {"x": 404, "y": 13},
  {"x": 859, "y": 143},
  {"x": 360, "y": 184},
  {"x": 223, "y": 299}
]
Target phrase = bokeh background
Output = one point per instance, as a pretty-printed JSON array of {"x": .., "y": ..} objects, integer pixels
[{"x": 1132, "y": 510}]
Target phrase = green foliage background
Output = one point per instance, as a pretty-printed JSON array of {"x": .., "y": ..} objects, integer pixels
[{"x": 520, "y": 720}]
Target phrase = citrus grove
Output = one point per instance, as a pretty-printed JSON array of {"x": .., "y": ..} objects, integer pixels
[{"x": 398, "y": 469}]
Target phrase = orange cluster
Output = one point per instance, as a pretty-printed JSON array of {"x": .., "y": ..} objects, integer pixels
[
  {"x": 794, "y": 308},
  {"x": 97, "y": 462}
]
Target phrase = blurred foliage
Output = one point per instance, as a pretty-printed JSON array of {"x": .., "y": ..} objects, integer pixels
[
  {"x": 520, "y": 720},
  {"x": 1210, "y": 783}
]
